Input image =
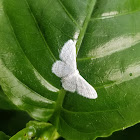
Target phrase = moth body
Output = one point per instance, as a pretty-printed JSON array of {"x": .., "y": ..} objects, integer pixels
[{"x": 66, "y": 69}]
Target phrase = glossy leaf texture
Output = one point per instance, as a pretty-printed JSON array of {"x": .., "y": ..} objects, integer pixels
[
  {"x": 5, "y": 103},
  {"x": 107, "y": 32},
  {"x": 37, "y": 130}
]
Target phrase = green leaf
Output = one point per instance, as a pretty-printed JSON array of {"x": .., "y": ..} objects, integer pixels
[
  {"x": 37, "y": 130},
  {"x": 22, "y": 76},
  {"x": 3, "y": 136},
  {"x": 32, "y": 33},
  {"x": 5, "y": 103},
  {"x": 131, "y": 133}
]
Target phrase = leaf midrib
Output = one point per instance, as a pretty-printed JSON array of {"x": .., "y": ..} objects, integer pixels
[
  {"x": 61, "y": 95},
  {"x": 85, "y": 25}
]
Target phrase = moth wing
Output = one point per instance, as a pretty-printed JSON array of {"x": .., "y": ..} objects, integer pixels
[
  {"x": 68, "y": 54},
  {"x": 85, "y": 89},
  {"x": 69, "y": 83},
  {"x": 61, "y": 69}
]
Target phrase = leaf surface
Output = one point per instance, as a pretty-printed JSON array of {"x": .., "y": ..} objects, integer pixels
[
  {"x": 3, "y": 136},
  {"x": 107, "y": 32},
  {"x": 5, "y": 103},
  {"x": 37, "y": 130}
]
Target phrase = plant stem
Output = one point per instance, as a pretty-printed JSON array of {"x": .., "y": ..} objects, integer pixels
[{"x": 55, "y": 117}]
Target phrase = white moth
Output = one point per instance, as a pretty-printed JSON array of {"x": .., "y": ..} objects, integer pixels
[{"x": 66, "y": 69}]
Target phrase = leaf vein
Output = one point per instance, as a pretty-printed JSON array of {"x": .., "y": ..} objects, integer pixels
[
  {"x": 85, "y": 25},
  {"x": 35, "y": 20},
  {"x": 18, "y": 43},
  {"x": 69, "y": 15},
  {"x": 117, "y": 15}
]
